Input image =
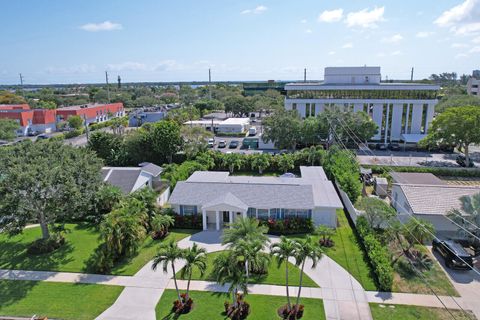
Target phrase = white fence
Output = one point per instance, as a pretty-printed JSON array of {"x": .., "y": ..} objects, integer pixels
[
  {"x": 352, "y": 212},
  {"x": 163, "y": 197}
]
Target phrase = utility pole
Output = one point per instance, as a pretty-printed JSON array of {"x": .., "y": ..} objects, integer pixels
[
  {"x": 305, "y": 75},
  {"x": 119, "y": 80},
  {"x": 108, "y": 89},
  {"x": 411, "y": 76},
  {"x": 209, "y": 83},
  {"x": 21, "y": 83}
]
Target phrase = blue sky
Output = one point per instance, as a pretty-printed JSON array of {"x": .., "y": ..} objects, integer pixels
[{"x": 76, "y": 41}]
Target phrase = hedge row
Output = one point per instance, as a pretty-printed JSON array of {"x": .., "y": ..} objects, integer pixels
[
  {"x": 444, "y": 171},
  {"x": 377, "y": 254}
]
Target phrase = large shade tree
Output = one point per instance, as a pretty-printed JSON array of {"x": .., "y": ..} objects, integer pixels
[
  {"x": 283, "y": 128},
  {"x": 44, "y": 182},
  {"x": 8, "y": 129},
  {"x": 458, "y": 126}
]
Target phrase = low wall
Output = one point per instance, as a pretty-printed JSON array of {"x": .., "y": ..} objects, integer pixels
[
  {"x": 352, "y": 212},
  {"x": 163, "y": 197}
]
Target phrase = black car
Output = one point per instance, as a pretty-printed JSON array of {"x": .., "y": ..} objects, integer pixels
[
  {"x": 462, "y": 161},
  {"x": 453, "y": 253},
  {"x": 233, "y": 144},
  {"x": 43, "y": 136},
  {"x": 394, "y": 146}
]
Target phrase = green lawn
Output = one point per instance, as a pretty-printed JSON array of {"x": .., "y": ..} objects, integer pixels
[
  {"x": 73, "y": 256},
  {"x": 55, "y": 300},
  {"x": 348, "y": 253},
  {"x": 401, "y": 312},
  {"x": 275, "y": 276},
  {"x": 209, "y": 305}
]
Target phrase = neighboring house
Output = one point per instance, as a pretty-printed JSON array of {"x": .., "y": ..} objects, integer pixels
[
  {"x": 131, "y": 179},
  {"x": 402, "y": 111},
  {"x": 473, "y": 86},
  {"x": 424, "y": 196},
  {"x": 221, "y": 198}
]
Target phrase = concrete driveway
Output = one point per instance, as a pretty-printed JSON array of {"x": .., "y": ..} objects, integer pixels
[{"x": 467, "y": 284}]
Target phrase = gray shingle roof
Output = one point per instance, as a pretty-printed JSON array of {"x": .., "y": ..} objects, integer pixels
[
  {"x": 151, "y": 168},
  {"x": 312, "y": 190},
  {"x": 435, "y": 199},
  {"x": 416, "y": 178},
  {"x": 124, "y": 178}
]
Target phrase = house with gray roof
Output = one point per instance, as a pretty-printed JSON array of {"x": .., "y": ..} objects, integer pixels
[
  {"x": 131, "y": 179},
  {"x": 221, "y": 198},
  {"x": 425, "y": 197}
]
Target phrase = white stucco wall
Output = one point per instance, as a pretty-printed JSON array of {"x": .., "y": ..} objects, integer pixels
[
  {"x": 144, "y": 179},
  {"x": 325, "y": 216}
]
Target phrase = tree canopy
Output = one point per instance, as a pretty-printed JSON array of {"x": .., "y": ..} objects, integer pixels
[
  {"x": 8, "y": 129},
  {"x": 46, "y": 181},
  {"x": 283, "y": 128}
]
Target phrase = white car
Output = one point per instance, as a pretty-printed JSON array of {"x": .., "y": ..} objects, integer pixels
[
  {"x": 211, "y": 143},
  {"x": 222, "y": 144}
]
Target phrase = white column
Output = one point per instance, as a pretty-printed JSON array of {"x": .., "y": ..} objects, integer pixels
[
  {"x": 358, "y": 107},
  {"x": 204, "y": 219},
  {"x": 230, "y": 217},
  {"x": 387, "y": 123},
  {"x": 396, "y": 121},
  {"x": 217, "y": 220},
  {"x": 256, "y": 213},
  {"x": 407, "y": 118},
  {"x": 430, "y": 112},
  {"x": 377, "y": 118},
  {"x": 417, "y": 118}
]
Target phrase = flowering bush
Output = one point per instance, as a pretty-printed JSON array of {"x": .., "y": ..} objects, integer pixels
[
  {"x": 182, "y": 307},
  {"x": 288, "y": 226},
  {"x": 188, "y": 222},
  {"x": 292, "y": 314}
]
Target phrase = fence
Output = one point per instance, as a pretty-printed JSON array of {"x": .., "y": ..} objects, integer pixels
[{"x": 352, "y": 212}]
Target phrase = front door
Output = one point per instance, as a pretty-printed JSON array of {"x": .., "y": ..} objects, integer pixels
[{"x": 226, "y": 217}]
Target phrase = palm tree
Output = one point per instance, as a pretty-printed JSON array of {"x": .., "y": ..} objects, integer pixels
[
  {"x": 232, "y": 161},
  {"x": 161, "y": 222},
  {"x": 251, "y": 251},
  {"x": 227, "y": 269},
  {"x": 261, "y": 161},
  {"x": 468, "y": 218},
  {"x": 169, "y": 253},
  {"x": 306, "y": 249},
  {"x": 326, "y": 233},
  {"x": 246, "y": 229},
  {"x": 315, "y": 154},
  {"x": 283, "y": 250},
  {"x": 194, "y": 257},
  {"x": 285, "y": 162},
  {"x": 418, "y": 231}
]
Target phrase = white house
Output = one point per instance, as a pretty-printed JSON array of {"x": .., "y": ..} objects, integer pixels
[
  {"x": 402, "y": 111},
  {"x": 221, "y": 198},
  {"x": 424, "y": 196}
]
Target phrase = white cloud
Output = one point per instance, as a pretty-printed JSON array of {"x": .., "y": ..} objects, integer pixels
[
  {"x": 128, "y": 65},
  {"x": 393, "y": 39},
  {"x": 331, "y": 53},
  {"x": 476, "y": 40},
  {"x": 303, "y": 21},
  {"x": 460, "y": 13},
  {"x": 347, "y": 45},
  {"x": 258, "y": 10},
  {"x": 475, "y": 49},
  {"x": 331, "y": 15},
  {"x": 168, "y": 65},
  {"x": 463, "y": 19},
  {"x": 424, "y": 34},
  {"x": 78, "y": 69},
  {"x": 461, "y": 56},
  {"x": 396, "y": 53},
  {"x": 365, "y": 18},
  {"x": 459, "y": 45},
  {"x": 102, "y": 26},
  {"x": 308, "y": 30},
  {"x": 381, "y": 54}
]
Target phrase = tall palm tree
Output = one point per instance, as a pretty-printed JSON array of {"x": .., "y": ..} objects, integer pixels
[
  {"x": 232, "y": 161},
  {"x": 251, "y": 252},
  {"x": 282, "y": 251},
  {"x": 306, "y": 249},
  {"x": 246, "y": 229},
  {"x": 227, "y": 269},
  {"x": 169, "y": 253},
  {"x": 195, "y": 257}
]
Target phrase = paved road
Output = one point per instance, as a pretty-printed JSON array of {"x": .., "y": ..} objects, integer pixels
[{"x": 413, "y": 158}]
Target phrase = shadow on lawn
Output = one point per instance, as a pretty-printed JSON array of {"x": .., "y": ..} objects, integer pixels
[{"x": 13, "y": 291}]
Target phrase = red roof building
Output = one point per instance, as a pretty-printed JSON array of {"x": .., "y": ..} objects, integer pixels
[{"x": 92, "y": 112}]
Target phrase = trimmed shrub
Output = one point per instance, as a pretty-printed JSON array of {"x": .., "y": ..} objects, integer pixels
[
  {"x": 73, "y": 133},
  {"x": 378, "y": 255},
  {"x": 41, "y": 246},
  {"x": 188, "y": 222},
  {"x": 288, "y": 226},
  {"x": 445, "y": 171}
]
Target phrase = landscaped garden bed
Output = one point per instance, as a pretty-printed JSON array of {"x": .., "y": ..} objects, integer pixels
[
  {"x": 210, "y": 305},
  {"x": 55, "y": 300}
]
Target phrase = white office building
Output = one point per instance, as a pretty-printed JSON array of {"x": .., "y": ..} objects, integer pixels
[
  {"x": 402, "y": 111},
  {"x": 473, "y": 86}
]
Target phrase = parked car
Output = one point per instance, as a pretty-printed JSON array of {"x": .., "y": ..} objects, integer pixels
[
  {"x": 233, "y": 144},
  {"x": 222, "y": 144},
  {"x": 381, "y": 146},
  {"x": 462, "y": 161},
  {"x": 211, "y": 143},
  {"x": 252, "y": 131},
  {"x": 394, "y": 146},
  {"x": 455, "y": 256},
  {"x": 32, "y": 133},
  {"x": 43, "y": 136}
]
